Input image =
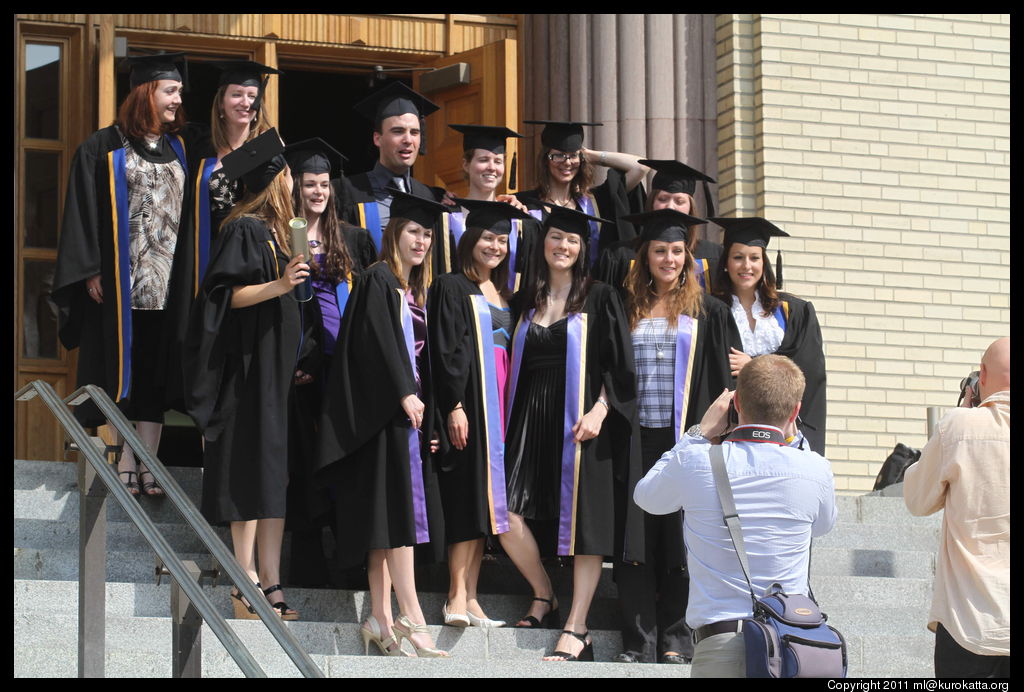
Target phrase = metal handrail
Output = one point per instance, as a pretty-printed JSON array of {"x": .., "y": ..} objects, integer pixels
[{"x": 232, "y": 643}]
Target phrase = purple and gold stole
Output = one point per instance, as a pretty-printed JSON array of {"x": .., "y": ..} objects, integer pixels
[
  {"x": 119, "y": 217},
  {"x": 701, "y": 271},
  {"x": 686, "y": 347},
  {"x": 513, "y": 243},
  {"x": 588, "y": 205},
  {"x": 491, "y": 399},
  {"x": 419, "y": 501},
  {"x": 202, "y": 221},
  {"x": 575, "y": 380},
  {"x": 453, "y": 225}
]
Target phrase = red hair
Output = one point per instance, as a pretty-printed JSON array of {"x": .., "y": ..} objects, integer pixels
[{"x": 137, "y": 115}]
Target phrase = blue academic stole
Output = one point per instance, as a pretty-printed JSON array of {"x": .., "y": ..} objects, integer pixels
[
  {"x": 369, "y": 218},
  {"x": 202, "y": 221}
]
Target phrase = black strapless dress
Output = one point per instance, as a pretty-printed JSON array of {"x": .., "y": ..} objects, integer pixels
[{"x": 533, "y": 441}]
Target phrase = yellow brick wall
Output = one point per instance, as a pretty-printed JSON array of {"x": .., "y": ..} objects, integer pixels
[{"x": 881, "y": 143}]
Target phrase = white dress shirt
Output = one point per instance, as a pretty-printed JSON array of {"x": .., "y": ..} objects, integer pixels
[
  {"x": 767, "y": 335},
  {"x": 784, "y": 495}
]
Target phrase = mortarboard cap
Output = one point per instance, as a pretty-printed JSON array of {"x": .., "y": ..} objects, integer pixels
[
  {"x": 491, "y": 138},
  {"x": 394, "y": 99},
  {"x": 676, "y": 176},
  {"x": 314, "y": 156},
  {"x": 570, "y": 220},
  {"x": 423, "y": 211},
  {"x": 667, "y": 225},
  {"x": 753, "y": 231},
  {"x": 245, "y": 73},
  {"x": 150, "y": 68},
  {"x": 491, "y": 216},
  {"x": 257, "y": 162},
  {"x": 562, "y": 135}
]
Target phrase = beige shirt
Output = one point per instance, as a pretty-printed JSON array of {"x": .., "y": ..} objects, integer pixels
[{"x": 965, "y": 469}]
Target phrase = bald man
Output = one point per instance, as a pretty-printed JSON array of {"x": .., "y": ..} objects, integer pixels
[{"x": 965, "y": 470}]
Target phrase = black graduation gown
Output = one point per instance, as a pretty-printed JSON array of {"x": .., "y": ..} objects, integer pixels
[
  {"x": 239, "y": 366},
  {"x": 471, "y": 508},
  {"x": 88, "y": 246},
  {"x": 364, "y": 433},
  {"x": 606, "y": 520},
  {"x": 803, "y": 345},
  {"x": 308, "y": 504}
]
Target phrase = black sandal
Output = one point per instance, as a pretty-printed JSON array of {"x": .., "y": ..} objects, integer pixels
[
  {"x": 133, "y": 486},
  {"x": 587, "y": 654},
  {"x": 243, "y": 609},
  {"x": 281, "y": 607},
  {"x": 548, "y": 621},
  {"x": 152, "y": 489}
]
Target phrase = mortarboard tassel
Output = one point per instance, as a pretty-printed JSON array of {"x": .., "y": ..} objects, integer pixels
[
  {"x": 423, "y": 135},
  {"x": 512, "y": 172},
  {"x": 778, "y": 269},
  {"x": 708, "y": 200}
]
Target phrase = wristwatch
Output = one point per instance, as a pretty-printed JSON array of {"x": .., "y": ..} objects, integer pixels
[{"x": 694, "y": 431}]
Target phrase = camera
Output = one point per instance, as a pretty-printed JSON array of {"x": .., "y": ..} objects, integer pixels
[{"x": 969, "y": 391}]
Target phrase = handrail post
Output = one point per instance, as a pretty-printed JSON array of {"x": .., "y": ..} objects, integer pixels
[
  {"x": 92, "y": 572},
  {"x": 186, "y": 629}
]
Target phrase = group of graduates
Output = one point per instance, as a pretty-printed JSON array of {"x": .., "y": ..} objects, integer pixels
[{"x": 494, "y": 366}]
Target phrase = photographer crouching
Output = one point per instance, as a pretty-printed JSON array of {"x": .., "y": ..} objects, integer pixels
[
  {"x": 783, "y": 494},
  {"x": 965, "y": 469}
]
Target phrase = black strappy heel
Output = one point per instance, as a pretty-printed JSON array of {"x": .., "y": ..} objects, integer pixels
[
  {"x": 243, "y": 609},
  {"x": 281, "y": 607},
  {"x": 587, "y": 654},
  {"x": 549, "y": 620}
]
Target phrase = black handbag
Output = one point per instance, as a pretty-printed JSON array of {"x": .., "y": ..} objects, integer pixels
[{"x": 787, "y": 636}]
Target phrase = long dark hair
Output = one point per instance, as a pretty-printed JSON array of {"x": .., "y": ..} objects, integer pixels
[
  {"x": 766, "y": 292},
  {"x": 337, "y": 262},
  {"x": 499, "y": 275},
  {"x": 537, "y": 292},
  {"x": 578, "y": 187}
]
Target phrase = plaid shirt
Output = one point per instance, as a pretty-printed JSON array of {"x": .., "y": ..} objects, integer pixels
[{"x": 654, "y": 375}]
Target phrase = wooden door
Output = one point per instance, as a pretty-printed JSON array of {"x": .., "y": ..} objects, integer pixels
[{"x": 490, "y": 98}]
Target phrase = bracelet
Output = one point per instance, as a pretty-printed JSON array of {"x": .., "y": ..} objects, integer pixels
[
  {"x": 604, "y": 155},
  {"x": 601, "y": 400}
]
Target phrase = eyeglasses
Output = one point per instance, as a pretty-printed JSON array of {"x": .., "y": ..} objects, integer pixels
[{"x": 561, "y": 157}]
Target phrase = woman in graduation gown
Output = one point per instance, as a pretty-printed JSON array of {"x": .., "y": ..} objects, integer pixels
[
  {"x": 125, "y": 259},
  {"x": 565, "y": 171},
  {"x": 769, "y": 321},
  {"x": 337, "y": 252},
  {"x": 483, "y": 164},
  {"x": 572, "y": 445},
  {"x": 470, "y": 326},
  {"x": 236, "y": 117},
  {"x": 680, "y": 337},
  {"x": 672, "y": 188},
  {"x": 243, "y": 339},
  {"x": 376, "y": 430}
]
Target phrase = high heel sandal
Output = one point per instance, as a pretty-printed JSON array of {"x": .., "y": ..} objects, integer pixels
[
  {"x": 133, "y": 486},
  {"x": 371, "y": 633},
  {"x": 404, "y": 627},
  {"x": 586, "y": 654},
  {"x": 152, "y": 489},
  {"x": 549, "y": 620},
  {"x": 280, "y": 607},
  {"x": 243, "y": 609}
]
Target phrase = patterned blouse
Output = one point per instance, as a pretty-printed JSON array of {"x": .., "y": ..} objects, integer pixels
[
  {"x": 654, "y": 352},
  {"x": 155, "y": 191}
]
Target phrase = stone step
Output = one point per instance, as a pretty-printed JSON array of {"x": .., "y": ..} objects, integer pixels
[
  {"x": 880, "y": 537},
  {"x": 140, "y": 646},
  {"x": 869, "y": 562},
  {"x": 352, "y": 607}
]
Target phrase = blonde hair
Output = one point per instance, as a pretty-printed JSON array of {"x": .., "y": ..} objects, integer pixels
[
  {"x": 686, "y": 297},
  {"x": 273, "y": 206},
  {"x": 219, "y": 130},
  {"x": 420, "y": 276},
  {"x": 768, "y": 387}
]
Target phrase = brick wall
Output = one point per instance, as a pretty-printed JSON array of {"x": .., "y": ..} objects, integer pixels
[{"x": 881, "y": 143}]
